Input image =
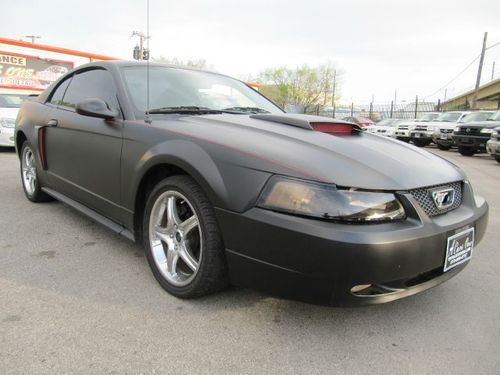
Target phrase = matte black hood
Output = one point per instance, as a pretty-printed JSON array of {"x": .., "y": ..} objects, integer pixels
[{"x": 359, "y": 160}]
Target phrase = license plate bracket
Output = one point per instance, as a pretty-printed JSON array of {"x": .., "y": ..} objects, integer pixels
[{"x": 459, "y": 249}]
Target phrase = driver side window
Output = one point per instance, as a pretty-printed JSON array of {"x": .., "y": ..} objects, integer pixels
[
  {"x": 58, "y": 94},
  {"x": 95, "y": 83}
]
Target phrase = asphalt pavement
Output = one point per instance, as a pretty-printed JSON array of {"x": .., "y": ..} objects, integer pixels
[{"x": 78, "y": 299}]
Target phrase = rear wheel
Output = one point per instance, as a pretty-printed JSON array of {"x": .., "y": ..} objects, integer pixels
[
  {"x": 466, "y": 151},
  {"x": 183, "y": 243},
  {"x": 497, "y": 158},
  {"x": 443, "y": 147},
  {"x": 29, "y": 176}
]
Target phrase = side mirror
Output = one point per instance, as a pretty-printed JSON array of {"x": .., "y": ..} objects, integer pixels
[{"x": 96, "y": 108}]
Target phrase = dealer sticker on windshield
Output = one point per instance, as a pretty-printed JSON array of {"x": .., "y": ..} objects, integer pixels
[{"x": 459, "y": 248}]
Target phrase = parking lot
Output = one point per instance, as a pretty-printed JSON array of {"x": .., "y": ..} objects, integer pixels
[{"x": 76, "y": 298}]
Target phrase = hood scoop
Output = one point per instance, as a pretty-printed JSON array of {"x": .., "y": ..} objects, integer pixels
[{"x": 321, "y": 124}]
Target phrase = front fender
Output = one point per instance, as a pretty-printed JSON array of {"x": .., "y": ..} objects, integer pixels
[{"x": 228, "y": 186}]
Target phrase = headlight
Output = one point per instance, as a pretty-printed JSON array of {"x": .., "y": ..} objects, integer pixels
[
  {"x": 487, "y": 131},
  {"x": 6, "y": 122},
  {"x": 457, "y": 129},
  {"x": 326, "y": 201}
]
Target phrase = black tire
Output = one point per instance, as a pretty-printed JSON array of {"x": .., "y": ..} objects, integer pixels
[
  {"x": 497, "y": 158},
  {"x": 420, "y": 143},
  {"x": 466, "y": 151},
  {"x": 34, "y": 193},
  {"x": 211, "y": 275},
  {"x": 443, "y": 147}
]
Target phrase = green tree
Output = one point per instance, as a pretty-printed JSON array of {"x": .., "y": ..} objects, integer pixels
[{"x": 303, "y": 86}]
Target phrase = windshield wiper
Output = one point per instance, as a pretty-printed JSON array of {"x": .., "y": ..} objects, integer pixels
[
  {"x": 184, "y": 109},
  {"x": 246, "y": 110}
]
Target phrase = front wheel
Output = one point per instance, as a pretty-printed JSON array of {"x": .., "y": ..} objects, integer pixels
[
  {"x": 443, "y": 147},
  {"x": 497, "y": 158},
  {"x": 420, "y": 142},
  {"x": 183, "y": 243},
  {"x": 466, "y": 151},
  {"x": 29, "y": 176}
]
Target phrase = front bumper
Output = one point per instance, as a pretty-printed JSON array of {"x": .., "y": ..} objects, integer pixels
[
  {"x": 445, "y": 139},
  {"x": 475, "y": 142},
  {"x": 6, "y": 137},
  {"x": 319, "y": 262},
  {"x": 421, "y": 135},
  {"x": 402, "y": 134}
]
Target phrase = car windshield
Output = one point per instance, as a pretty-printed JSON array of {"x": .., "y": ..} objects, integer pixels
[
  {"x": 477, "y": 116},
  {"x": 176, "y": 88},
  {"x": 495, "y": 116},
  {"x": 449, "y": 117},
  {"x": 11, "y": 100},
  {"x": 427, "y": 117}
]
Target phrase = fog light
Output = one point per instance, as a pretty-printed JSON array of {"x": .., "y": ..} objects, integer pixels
[{"x": 359, "y": 288}]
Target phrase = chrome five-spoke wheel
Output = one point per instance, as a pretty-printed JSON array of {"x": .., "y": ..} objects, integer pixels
[
  {"x": 175, "y": 238},
  {"x": 183, "y": 243},
  {"x": 28, "y": 170}
]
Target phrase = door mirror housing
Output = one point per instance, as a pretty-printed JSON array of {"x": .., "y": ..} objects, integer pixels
[{"x": 95, "y": 107}]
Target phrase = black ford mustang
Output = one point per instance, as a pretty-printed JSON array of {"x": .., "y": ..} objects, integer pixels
[{"x": 223, "y": 187}]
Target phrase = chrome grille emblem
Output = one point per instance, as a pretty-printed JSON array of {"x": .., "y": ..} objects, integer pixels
[{"x": 443, "y": 197}]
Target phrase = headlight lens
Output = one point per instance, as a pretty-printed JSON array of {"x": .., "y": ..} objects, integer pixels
[
  {"x": 6, "y": 122},
  {"x": 326, "y": 201},
  {"x": 457, "y": 129},
  {"x": 487, "y": 131}
]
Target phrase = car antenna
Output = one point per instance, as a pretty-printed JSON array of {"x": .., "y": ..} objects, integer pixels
[{"x": 146, "y": 117}]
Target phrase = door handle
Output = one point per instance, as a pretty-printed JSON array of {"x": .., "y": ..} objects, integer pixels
[{"x": 52, "y": 122}]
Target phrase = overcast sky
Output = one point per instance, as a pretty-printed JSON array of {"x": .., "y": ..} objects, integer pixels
[{"x": 415, "y": 47}]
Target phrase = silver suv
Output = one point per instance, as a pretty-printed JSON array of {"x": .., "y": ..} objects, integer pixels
[
  {"x": 423, "y": 133},
  {"x": 405, "y": 127}
]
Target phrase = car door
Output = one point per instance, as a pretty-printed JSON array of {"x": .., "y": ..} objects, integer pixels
[{"x": 83, "y": 153}]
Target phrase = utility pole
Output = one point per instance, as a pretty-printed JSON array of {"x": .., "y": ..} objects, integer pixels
[
  {"x": 33, "y": 37},
  {"x": 416, "y": 106},
  {"x": 333, "y": 91},
  {"x": 478, "y": 78},
  {"x": 140, "y": 52}
]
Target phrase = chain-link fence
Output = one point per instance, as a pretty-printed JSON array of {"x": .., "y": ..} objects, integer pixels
[{"x": 375, "y": 111}]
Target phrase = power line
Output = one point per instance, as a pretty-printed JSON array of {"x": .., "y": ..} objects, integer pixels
[
  {"x": 461, "y": 72},
  {"x": 454, "y": 78}
]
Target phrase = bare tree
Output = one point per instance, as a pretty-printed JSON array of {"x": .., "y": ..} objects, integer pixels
[{"x": 195, "y": 63}]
